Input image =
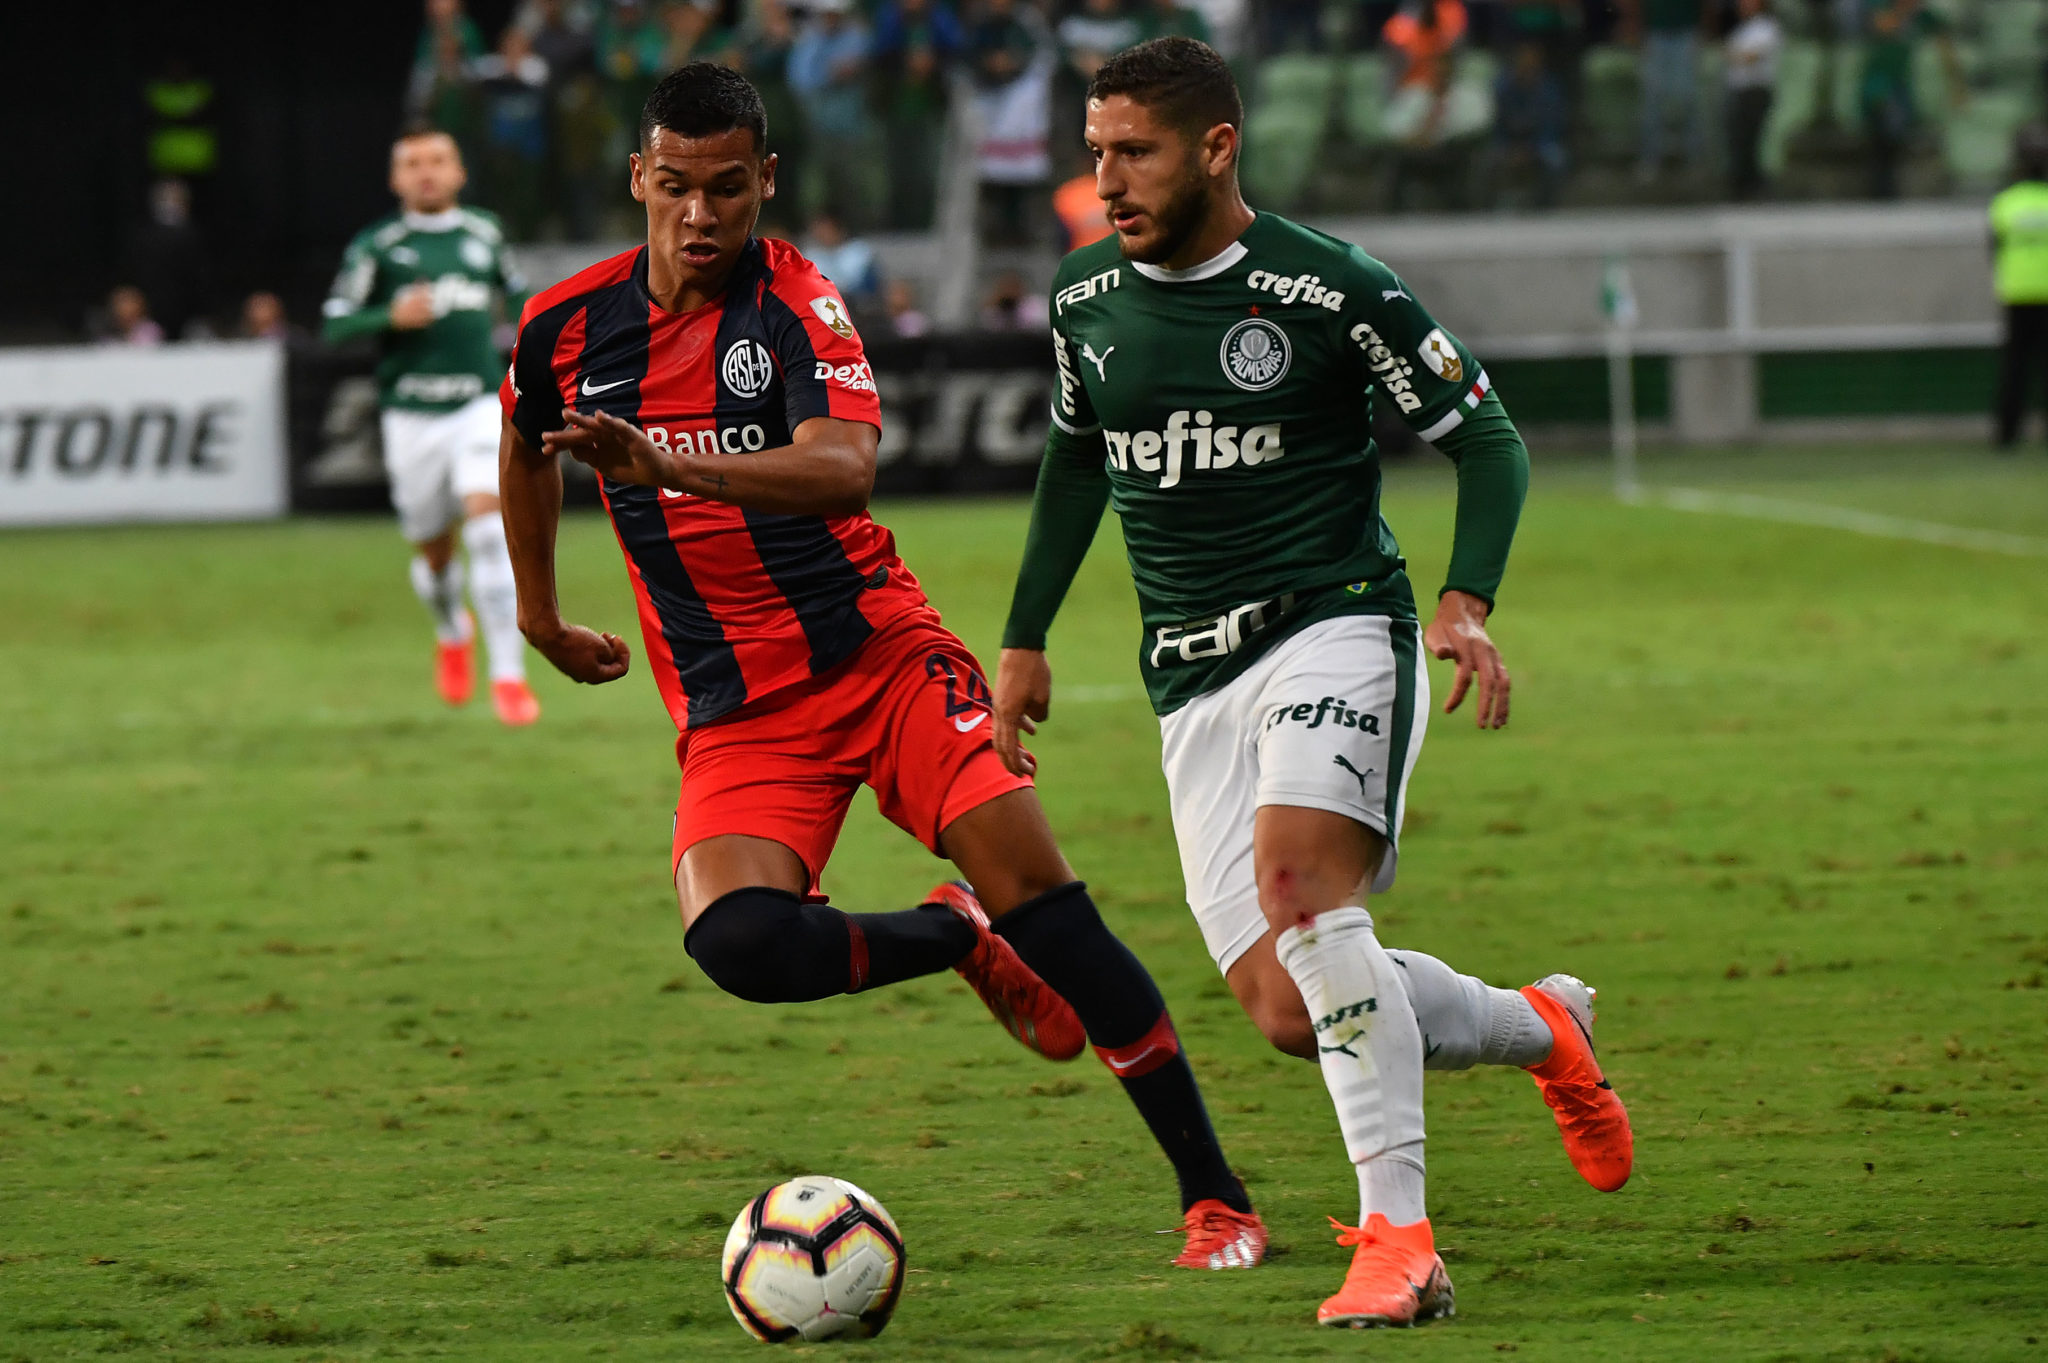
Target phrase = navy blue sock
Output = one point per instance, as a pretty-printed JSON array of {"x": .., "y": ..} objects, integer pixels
[{"x": 1062, "y": 937}]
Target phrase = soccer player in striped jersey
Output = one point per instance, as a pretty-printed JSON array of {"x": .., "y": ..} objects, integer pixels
[
  {"x": 1217, "y": 373},
  {"x": 716, "y": 384}
]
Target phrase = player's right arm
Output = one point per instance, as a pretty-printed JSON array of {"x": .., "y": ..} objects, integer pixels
[
  {"x": 350, "y": 313},
  {"x": 1066, "y": 509},
  {"x": 530, "y": 493}
]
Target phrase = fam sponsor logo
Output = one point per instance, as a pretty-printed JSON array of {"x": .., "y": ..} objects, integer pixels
[
  {"x": 1394, "y": 375},
  {"x": 747, "y": 368},
  {"x": 474, "y": 253},
  {"x": 1305, "y": 288},
  {"x": 1335, "y": 711},
  {"x": 1083, "y": 290},
  {"x": 1255, "y": 354},
  {"x": 856, "y": 377},
  {"x": 1217, "y": 637},
  {"x": 1192, "y": 441}
]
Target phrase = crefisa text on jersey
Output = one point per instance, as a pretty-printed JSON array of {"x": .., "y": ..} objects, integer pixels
[
  {"x": 1212, "y": 446},
  {"x": 1306, "y": 288},
  {"x": 1390, "y": 370}
]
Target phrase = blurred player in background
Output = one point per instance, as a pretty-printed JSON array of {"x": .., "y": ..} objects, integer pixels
[
  {"x": 716, "y": 383},
  {"x": 2019, "y": 245},
  {"x": 426, "y": 283},
  {"x": 1216, "y": 377}
]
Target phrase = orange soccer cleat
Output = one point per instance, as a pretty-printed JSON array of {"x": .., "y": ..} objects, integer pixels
[
  {"x": 1396, "y": 1277},
  {"x": 1219, "y": 1237},
  {"x": 455, "y": 670},
  {"x": 516, "y": 704},
  {"x": 1027, "y": 1006},
  {"x": 1589, "y": 1114}
]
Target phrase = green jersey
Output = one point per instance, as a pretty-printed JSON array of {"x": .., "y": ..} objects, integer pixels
[
  {"x": 1230, "y": 407},
  {"x": 461, "y": 255}
]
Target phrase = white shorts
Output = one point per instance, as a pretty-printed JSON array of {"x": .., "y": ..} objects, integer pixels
[
  {"x": 1331, "y": 718},
  {"x": 435, "y": 459}
]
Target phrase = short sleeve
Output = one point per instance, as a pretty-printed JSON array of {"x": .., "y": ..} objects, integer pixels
[
  {"x": 825, "y": 369},
  {"x": 1072, "y": 410},
  {"x": 531, "y": 394},
  {"x": 1420, "y": 369}
]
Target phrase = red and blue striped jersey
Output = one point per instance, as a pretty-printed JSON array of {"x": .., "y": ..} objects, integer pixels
[{"x": 734, "y": 604}]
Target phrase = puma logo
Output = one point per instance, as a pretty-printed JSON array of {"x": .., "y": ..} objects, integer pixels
[
  {"x": 1088, "y": 354},
  {"x": 1361, "y": 775},
  {"x": 1343, "y": 1047}
]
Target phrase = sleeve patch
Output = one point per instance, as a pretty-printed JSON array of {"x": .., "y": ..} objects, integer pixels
[
  {"x": 832, "y": 313},
  {"x": 1440, "y": 354}
]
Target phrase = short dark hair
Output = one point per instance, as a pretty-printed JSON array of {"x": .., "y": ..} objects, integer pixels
[
  {"x": 703, "y": 99},
  {"x": 1187, "y": 81}
]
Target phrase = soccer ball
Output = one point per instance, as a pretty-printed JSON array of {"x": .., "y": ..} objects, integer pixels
[{"x": 813, "y": 1258}]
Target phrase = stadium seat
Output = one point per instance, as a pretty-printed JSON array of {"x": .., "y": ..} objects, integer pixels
[
  {"x": 1298, "y": 83},
  {"x": 1364, "y": 102},
  {"x": 1795, "y": 103},
  {"x": 1610, "y": 105},
  {"x": 1977, "y": 139},
  {"x": 1282, "y": 148},
  {"x": 2013, "y": 41}
]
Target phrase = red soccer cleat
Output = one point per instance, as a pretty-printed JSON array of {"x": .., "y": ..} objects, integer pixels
[
  {"x": 1396, "y": 1277},
  {"x": 1219, "y": 1237},
  {"x": 455, "y": 670},
  {"x": 1589, "y": 1114},
  {"x": 1026, "y": 1005},
  {"x": 515, "y": 702}
]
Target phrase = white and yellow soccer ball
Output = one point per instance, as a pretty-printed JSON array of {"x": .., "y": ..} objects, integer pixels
[{"x": 811, "y": 1259}]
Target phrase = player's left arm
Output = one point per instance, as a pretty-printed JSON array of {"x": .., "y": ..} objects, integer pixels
[
  {"x": 1444, "y": 395},
  {"x": 827, "y": 469}
]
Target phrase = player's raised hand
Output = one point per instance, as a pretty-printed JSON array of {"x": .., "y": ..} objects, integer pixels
[
  {"x": 1459, "y": 632},
  {"x": 583, "y": 654},
  {"x": 616, "y": 448},
  {"x": 1023, "y": 695}
]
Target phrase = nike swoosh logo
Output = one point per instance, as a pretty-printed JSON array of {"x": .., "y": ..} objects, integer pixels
[
  {"x": 1122, "y": 1065},
  {"x": 590, "y": 390},
  {"x": 967, "y": 725}
]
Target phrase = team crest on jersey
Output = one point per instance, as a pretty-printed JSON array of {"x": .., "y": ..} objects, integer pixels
[
  {"x": 747, "y": 369},
  {"x": 1442, "y": 357},
  {"x": 475, "y": 254},
  {"x": 833, "y": 314},
  {"x": 1255, "y": 354}
]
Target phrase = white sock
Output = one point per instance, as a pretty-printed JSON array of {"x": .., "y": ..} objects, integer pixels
[
  {"x": 441, "y": 594},
  {"x": 1371, "y": 1054},
  {"x": 496, "y": 595},
  {"x": 1390, "y": 1183},
  {"x": 1466, "y": 1021}
]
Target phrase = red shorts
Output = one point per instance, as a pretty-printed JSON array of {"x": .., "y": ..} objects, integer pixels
[{"x": 908, "y": 715}]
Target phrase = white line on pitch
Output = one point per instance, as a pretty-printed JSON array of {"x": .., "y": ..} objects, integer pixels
[{"x": 1839, "y": 518}]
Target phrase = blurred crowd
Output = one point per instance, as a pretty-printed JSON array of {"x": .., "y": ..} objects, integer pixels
[
  {"x": 1354, "y": 106},
  {"x": 1462, "y": 104}
]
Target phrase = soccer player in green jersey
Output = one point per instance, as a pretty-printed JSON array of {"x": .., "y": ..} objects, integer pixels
[
  {"x": 426, "y": 282},
  {"x": 1217, "y": 369}
]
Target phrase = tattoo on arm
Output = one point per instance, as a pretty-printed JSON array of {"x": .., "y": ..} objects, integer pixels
[{"x": 715, "y": 481}]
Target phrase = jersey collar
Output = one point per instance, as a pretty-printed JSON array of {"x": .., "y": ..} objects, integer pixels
[
  {"x": 1208, "y": 269},
  {"x": 447, "y": 220}
]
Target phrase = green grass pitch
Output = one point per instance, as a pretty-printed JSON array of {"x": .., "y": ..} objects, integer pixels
[{"x": 334, "y": 1025}]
